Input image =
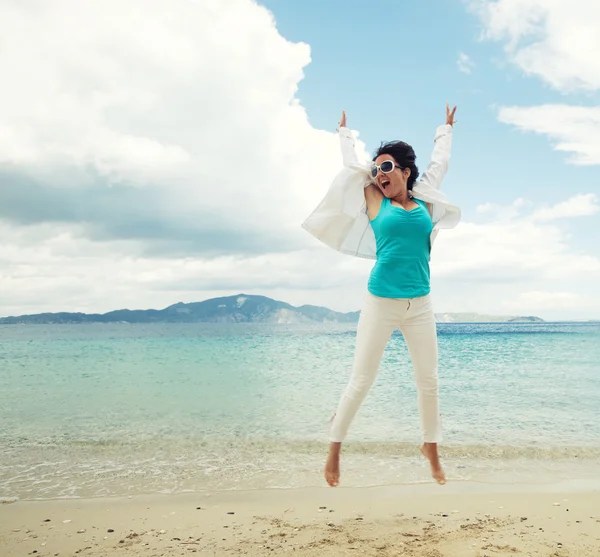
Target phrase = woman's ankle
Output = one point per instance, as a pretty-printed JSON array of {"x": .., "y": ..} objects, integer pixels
[{"x": 335, "y": 448}]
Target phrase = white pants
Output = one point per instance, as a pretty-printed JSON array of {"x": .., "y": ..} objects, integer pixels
[{"x": 378, "y": 320}]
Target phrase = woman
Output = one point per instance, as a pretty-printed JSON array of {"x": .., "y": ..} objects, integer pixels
[{"x": 383, "y": 211}]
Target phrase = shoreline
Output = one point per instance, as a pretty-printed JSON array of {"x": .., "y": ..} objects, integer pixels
[
  {"x": 242, "y": 471},
  {"x": 416, "y": 520},
  {"x": 423, "y": 487}
]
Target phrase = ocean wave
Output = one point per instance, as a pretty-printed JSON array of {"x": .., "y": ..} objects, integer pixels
[
  {"x": 260, "y": 446},
  {"x": 175, "y": 465}
]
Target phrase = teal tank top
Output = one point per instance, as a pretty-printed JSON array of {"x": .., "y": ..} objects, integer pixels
[{"x": 403, "y": 246}]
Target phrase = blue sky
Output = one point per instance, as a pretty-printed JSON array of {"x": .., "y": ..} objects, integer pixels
[
  {"x": 393, "y": 67},
  {"x": 154, "y": 154}
]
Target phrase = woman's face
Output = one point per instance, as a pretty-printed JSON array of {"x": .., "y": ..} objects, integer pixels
[{"x": 394, "y": 183}]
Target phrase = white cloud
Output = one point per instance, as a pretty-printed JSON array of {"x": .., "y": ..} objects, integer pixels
[
  {"x": 145, "y": 137},
  {"x": 488, "y": 267},
  {"x": 555, "y": 40},
  {"x": 574, "y": 129},
  {"x": 518, "y": 249},
  {"x": 464, "y": 63},
  {"x": 576, "y": 206},
  {"x": 558, "y": 42},
  {"x": 503, "y": 212},
  {"x": 56, "y": 268},
  {"x": 193, "y": 102},
  {"x": 543, "y": 301}
]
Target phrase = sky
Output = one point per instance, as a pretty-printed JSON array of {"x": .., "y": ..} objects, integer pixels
[{"x": 155, "y": 152}]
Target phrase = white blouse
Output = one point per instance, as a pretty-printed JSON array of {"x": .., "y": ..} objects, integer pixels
[{"x": 341, "y": 222}]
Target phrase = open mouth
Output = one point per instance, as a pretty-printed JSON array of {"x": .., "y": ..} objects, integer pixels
[{"x": 385, "y": 183}]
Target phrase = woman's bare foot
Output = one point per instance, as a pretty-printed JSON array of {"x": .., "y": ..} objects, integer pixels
[
  {"x": 332, "y": 466},
  {"x": 430, "y": 452}
]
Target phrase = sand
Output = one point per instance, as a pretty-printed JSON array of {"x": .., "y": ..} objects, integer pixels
[{"x": 417, "y": 521}]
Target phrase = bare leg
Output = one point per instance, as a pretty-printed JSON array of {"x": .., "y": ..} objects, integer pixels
[
  {"x": 430, "y": 452},
  {"x": 332, "y": 466}
]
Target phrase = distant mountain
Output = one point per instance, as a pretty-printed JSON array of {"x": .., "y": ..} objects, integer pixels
[
  {"x": 480, "y": 318},
  {"x": 234, "y": 309},
  {"x": 231, "y": 309}
]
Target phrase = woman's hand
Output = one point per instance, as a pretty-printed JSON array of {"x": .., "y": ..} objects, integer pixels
[
  {"x": 449, "y": 115},
  {"x": 342, "y": 122}
]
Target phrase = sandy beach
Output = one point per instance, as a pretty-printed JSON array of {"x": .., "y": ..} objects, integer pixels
[{"x": 423, "y": 520}]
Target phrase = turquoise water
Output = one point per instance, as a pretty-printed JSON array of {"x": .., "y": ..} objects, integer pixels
[{"x": 118, "y": 409}]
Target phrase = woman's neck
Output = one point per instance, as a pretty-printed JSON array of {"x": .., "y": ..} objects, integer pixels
[{"x": 402, "y": 198}]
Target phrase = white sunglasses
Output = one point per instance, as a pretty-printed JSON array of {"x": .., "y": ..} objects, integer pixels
[{"x": 386, "y": 167}]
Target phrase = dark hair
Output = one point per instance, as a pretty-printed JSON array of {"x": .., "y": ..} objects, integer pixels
[{"x": 404, "y": 155}]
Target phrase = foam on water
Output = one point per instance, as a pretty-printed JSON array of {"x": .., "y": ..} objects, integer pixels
[{"x": 175, "y": 465}]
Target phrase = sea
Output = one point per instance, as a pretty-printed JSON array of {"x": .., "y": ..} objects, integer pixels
[{"x": 125, "y": 409}]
